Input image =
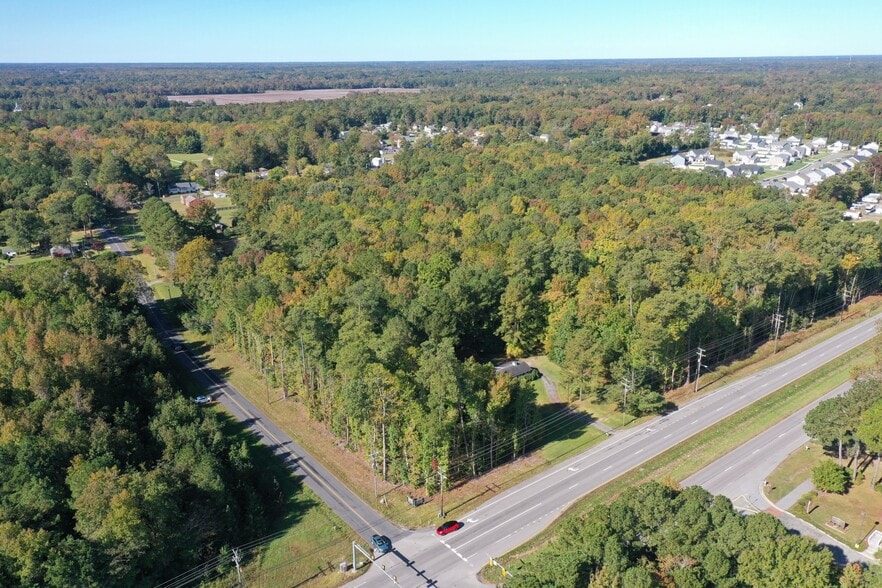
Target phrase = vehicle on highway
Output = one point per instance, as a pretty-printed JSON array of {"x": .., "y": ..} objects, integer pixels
[
  {"x": 178, "y": 347},
  {"x": 381, "y": 543},
  {"x": 202, "y": 399},
  {"x": 448, "y": 527}
]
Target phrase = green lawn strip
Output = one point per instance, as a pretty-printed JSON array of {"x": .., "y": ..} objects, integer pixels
[
  {"x": 705, "y": 447},
  {"x": 178, "y": 159},
  {"x": 793, "y": 471},
  {"x": 860, "y": 508},
  {"x": 606, "y": 413}
]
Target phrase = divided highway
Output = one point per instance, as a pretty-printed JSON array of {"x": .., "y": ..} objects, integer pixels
[{"x": 500, "y": 525}]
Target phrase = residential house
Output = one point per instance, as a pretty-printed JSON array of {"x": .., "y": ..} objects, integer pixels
[
  {"x": 188, "y": 199},
  {"x": 219, "y": 194},
  {"x": 828, "y": 172},
  {"x": 794, "y": 187},
  {"x": 838, "y": 146},
  {"x": 815, "y": 177},
  {"x": 183, "y": 188},
  {"x": 714, "y": 164},
  {"x": 699, "y": 155},
  {"x": 778, "y": 160},
  {"x": 851, "y": 215},
  {"x": 746, "y": 170},
  {"x": 819, "y": 143},
  {"x": 515, "y": 369},
  {"x": 678, "y": 161},
  {"x": 219, "y": 173},
  {"x": 748, "y": 156}
]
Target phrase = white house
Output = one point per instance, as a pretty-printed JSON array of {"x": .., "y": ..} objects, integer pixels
[{"x": 748, "y": 156}]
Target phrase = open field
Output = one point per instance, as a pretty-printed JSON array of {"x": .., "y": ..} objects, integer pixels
[
  {"x": 271, "y": 96},
  {"x": 178, "y": 159}
]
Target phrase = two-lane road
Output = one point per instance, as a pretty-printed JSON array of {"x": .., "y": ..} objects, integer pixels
[{"x": 354, "y": 511}]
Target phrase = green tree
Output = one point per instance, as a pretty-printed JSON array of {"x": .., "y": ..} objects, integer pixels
[
  {"x": 162, "y": 226},
  {"x": 829, "y": 477},
  {"x": 87, "y": 210},
  {"x": 870, "y": 432}
]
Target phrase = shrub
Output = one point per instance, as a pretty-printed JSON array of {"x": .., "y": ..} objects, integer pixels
[{"x": 830, "y": 477}]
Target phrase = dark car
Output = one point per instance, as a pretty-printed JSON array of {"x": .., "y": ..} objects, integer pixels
[
  {"x": 448, "y": 527},
  {"x": 381, "y": 543}
]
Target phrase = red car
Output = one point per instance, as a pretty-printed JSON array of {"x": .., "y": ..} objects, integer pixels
[{"x": 448, "y": 527}]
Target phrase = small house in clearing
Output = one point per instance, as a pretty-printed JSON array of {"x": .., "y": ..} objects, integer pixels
[{"x": 516, "y": 369}]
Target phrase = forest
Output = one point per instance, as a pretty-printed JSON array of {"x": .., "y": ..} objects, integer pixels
[
  {"x": 103, "y": 484},
  {"x": 379, "y": 299},
  {"x": 655, "y": 535}
]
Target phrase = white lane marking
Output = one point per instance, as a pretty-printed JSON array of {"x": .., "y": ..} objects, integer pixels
[
  {"x": 609, "y": 467},
  {"x": 573, "y": 486},
  {"x": 573, "y": 469},
  {"x": 755, "y": 451},
  {"x": 505, "y": 522},
  {"x": 456, "y": 552},
  {"x": 639, "y": 450},
  {"x": 666, "y": 436},
  {"x": 695, "y": 421},
  {"x": 727, "y": 469},
  {"x": 721, "y": 408},
  {"x": 782, "y": 434}
]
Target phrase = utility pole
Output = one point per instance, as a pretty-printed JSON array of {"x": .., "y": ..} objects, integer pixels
[
  {"x": 698, "y": 368},
  {"x": 374, "y": 468},
  {"x": 441, "y": 478},
  {"x": 777, "y": 318},
  {"x": 237, "y": 560},
  {"x": 626, "y": 386},
  {"x": 846, "y": 292}
]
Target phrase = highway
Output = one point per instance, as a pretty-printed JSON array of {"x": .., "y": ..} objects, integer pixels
[
  {"x": 740, "y": 474},
  {"x": 498, "y": 526}
]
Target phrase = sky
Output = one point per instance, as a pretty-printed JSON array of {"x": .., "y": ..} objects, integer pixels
[{"x": 167, "y": 31}]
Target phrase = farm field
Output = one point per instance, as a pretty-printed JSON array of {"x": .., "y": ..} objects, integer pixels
[{"x": 286, "y": 95}]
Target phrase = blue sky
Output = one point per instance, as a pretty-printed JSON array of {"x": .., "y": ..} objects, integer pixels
[{"x": 406, "y": 30}]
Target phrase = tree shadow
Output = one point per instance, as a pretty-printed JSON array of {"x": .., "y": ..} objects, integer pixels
[{"x": 285, "y": 509}]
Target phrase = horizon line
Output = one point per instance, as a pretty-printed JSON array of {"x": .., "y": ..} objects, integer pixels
[{"x": 441, "y": 61}]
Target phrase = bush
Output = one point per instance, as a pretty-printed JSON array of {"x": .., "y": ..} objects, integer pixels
[{"x": 830, "y": 477}]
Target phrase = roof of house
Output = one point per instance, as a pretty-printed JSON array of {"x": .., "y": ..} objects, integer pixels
[{"x": 514, "y": 368}]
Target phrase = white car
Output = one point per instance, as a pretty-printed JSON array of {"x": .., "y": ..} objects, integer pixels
[{"x": 202, "y": 399}]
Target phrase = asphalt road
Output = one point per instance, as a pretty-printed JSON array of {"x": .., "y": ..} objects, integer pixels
[
  {"x": 355, "y": 512},
  {"x": 740, "y": 474},
  {"x": 503, "y": 523}
]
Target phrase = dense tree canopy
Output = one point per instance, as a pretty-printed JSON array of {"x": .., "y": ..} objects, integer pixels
[{"x": 108, "y": 476}]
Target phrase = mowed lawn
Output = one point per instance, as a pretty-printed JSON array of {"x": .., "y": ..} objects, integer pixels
[{"x": 178, "y": 159}]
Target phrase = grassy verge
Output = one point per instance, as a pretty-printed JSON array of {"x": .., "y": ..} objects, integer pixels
[
  {"x": 704, "y": 448},
  {"x": 860, "y": 508},
  {"x": 793, "y": 471}
]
